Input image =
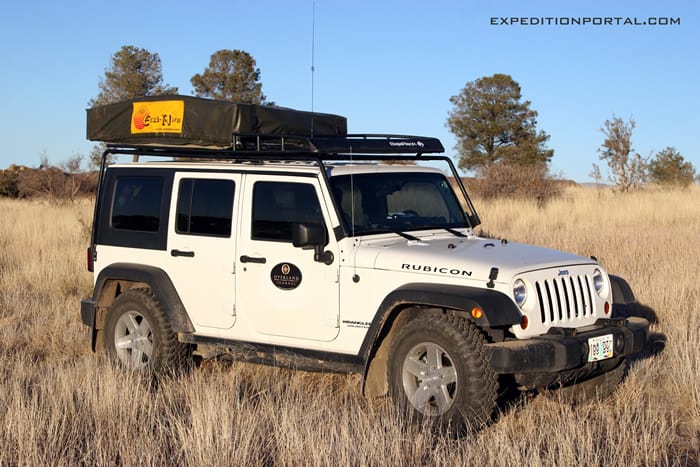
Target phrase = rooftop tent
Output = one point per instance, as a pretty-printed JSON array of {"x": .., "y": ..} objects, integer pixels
[{"x": 186, "y": 120}]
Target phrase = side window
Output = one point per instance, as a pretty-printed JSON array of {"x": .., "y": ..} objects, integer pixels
[
  {"x": 279, "y": 205},
  {"x": 136, "y": 203},
  {"x": 204, "y": 207}
]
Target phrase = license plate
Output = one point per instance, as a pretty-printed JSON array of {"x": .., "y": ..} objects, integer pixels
[{"x": 600, "y": 348}]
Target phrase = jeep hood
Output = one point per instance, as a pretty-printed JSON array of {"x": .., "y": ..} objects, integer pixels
[{"x": 468, "y": 258}]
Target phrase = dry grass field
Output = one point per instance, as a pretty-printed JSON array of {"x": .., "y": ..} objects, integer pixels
[{"x": 63, "y": 405}]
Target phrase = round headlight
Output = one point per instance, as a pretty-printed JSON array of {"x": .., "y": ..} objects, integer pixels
[
  {"x": 519, "y": 292},
  {"x": 598, "y": 282}
]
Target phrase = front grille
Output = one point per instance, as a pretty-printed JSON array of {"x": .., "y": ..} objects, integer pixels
[{"x": 565, "y": 299}]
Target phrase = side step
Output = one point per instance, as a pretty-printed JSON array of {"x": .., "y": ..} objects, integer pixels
[{"x": 264, "y": 354}]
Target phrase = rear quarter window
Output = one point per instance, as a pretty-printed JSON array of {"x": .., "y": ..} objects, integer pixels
[
  {"x": 136, "y": 203},
  {"x": 134, "y": 208}
]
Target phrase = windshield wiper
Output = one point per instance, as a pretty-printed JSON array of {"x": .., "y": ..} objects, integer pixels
[
  {"x": 454, "y": 232},
  {"x": 406, "y": 236}
]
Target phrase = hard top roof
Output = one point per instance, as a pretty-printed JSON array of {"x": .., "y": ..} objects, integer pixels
[{"x": 332, "y": 169}]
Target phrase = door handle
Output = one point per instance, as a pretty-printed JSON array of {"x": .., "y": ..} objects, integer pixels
[
  {"x": 187, "y": 254},
  {"x": 252, "y": 259}
]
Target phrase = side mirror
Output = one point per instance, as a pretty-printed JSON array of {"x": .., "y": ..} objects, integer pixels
[
  {"x": 312, "y": 235},
  {"x": 305, "y": 235}
]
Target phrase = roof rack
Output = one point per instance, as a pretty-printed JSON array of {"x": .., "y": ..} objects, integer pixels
[
  {"x": 344, "y": 144},
  {"x": 297, "y": 147}
]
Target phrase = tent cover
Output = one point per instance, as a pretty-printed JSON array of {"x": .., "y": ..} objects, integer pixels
[{"x": 186, "y": 120}]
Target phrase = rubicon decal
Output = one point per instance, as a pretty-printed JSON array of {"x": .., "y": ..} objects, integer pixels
[
  {"x": 157, "y": 117},
  {"x": 436, "y": 269},
  {"x": 285, "y": 276}
]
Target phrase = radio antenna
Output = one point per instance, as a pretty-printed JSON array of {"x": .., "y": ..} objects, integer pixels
[{"x": 313, "y": 41}]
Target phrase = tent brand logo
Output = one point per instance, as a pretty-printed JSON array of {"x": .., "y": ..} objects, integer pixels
[
  {"x": 141, "y": 118},
  {"x": 157, "y": 117},
  {"x": 404, "y": 144}
]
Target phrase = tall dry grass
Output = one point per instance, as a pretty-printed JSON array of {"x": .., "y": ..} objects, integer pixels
[{"x": 62, "y": 405}]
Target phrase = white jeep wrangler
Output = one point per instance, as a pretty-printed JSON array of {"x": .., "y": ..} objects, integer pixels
[{"x": 273, "y": 236}]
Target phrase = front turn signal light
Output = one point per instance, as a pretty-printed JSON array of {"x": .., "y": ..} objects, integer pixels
[{"x": 524, "y": 322}]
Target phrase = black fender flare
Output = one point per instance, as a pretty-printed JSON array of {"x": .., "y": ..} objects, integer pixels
[
  {"x": 160, "y": 284},
  {"x": 625, "y": 304},
  {"x": 498, "y": 310},
  {"x": 621, "y": 291}
]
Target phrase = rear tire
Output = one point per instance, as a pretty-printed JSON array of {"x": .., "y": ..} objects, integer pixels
[
  {"x": 138, "y": 335},
  {"x": 438, "y": 372}
]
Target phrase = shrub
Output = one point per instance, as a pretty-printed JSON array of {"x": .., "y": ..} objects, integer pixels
[
  {"x": 516, "y": 181},
  {"x": 8, "y": 181},
  {"x": 671, "y": 169},
  {"x": 55, "y": 185}
]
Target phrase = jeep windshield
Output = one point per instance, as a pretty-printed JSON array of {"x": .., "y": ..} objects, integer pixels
[{"x": 401, "y": 201}]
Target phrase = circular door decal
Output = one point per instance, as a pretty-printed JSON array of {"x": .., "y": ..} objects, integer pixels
[{"x": 286, "y": 276}]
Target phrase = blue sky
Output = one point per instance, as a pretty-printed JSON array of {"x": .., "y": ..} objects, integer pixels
[{"x": 388, "y": 66}]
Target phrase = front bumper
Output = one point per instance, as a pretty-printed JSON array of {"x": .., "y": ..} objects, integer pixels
[{"x": 566, "y": 348}]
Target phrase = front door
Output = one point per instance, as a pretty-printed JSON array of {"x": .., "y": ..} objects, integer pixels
[{"x": 282, "y": 288}]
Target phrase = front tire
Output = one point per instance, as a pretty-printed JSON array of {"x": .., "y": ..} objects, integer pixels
[
  {"x": 138, "y": 335},
  {"x": 438, "y": 372}
]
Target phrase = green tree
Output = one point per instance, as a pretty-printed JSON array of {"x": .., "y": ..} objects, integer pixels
[
  {"x": 670, "y": 168},
  {"x": 628, "y": 168},
  {"x": 230, "y": 76},
  {"x": 493, "y": 125},
  {"x": 134, "y": 72}
]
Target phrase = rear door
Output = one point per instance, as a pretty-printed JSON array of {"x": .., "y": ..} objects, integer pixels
[
  {"x": 201, "y": 245},
  {"x": 282, "y": 289}
]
